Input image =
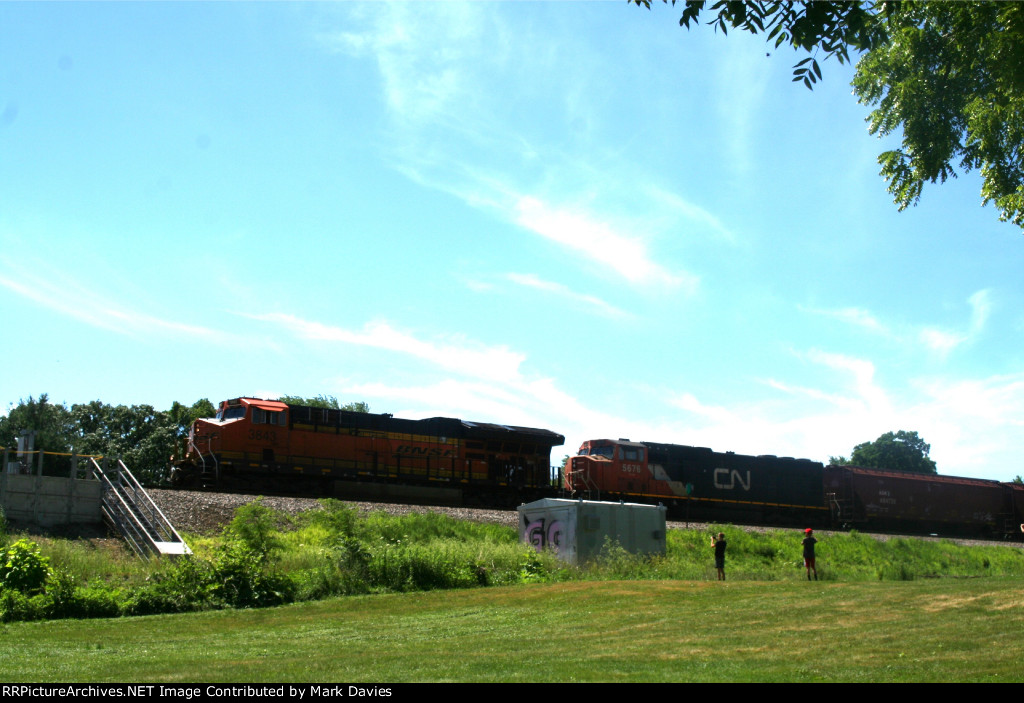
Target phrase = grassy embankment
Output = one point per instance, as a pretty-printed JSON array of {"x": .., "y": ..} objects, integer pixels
[{"x": 903, "y": 609}]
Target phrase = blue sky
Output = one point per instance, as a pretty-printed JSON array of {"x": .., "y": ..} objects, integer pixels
[{"x": 575, "y": 216}]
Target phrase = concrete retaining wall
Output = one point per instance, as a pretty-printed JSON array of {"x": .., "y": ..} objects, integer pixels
[{"x": 50, "y": 500}]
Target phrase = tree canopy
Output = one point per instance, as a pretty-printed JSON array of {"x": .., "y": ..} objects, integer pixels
[
  {"x": 52, "y": 423},
  {"x": 325, "y": 401},
  {"x": 948, "y": 75},
  {"x": 145, "y": 438},
  {"x": 900, "y": 451}
]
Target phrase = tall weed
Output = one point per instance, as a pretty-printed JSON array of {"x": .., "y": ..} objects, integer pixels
[
  {"x": 336, "y": 517},
  {"x": 256, "y": 527}
]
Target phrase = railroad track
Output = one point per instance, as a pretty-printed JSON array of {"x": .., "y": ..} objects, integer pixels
[{"x": 208, "y": 512}]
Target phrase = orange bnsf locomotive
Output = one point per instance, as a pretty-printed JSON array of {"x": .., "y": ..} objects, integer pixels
[{"x": 266, "y": 445}]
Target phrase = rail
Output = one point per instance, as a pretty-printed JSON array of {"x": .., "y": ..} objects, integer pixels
[{"x": 127, "y": 508}]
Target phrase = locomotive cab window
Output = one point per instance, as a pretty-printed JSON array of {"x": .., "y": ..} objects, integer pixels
[
  {"x": 267, "y": 417},
  {"x": 232, "y": 412},
  {"x": 633, "y": 453}
]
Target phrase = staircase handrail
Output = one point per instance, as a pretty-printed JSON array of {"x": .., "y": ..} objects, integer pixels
[
  {"x": 127, "y": 511},
  {"x": 159, "y": 521}
]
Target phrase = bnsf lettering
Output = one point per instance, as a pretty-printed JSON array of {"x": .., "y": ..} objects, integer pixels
[
  {"x": 727, "y": 480},
  {"x": 424, "y": 451}
]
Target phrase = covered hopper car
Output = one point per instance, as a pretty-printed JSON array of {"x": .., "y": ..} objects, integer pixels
[
  {"x": 265, "y": 445},
  {"x": 901, "y": 501}
]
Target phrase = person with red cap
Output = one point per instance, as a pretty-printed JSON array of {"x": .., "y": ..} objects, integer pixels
[{"x": 809, "y": 543}]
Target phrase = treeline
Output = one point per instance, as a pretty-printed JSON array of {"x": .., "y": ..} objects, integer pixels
[{"x": 142, "y": 436}]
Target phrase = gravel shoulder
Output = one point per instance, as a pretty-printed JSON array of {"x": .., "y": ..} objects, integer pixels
[{"x": 206, "y": 513}]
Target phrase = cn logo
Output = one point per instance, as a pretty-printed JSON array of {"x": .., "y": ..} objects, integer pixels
[{"x": 727, "y": 480}]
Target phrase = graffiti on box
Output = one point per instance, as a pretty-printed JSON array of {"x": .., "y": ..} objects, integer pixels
[{"x": 544, "y": 533}]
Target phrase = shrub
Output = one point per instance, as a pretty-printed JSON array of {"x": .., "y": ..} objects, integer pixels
[
  {"x": 23, "y": 568},
  {"x": 185, "y": 586},
  {"x": 353, "y": 561},
  {"x": 241, "y": 579},
  {"x": 255, "y": 525},
  {"x": 531, "y": 569},
  {"x": 15, "y": 606},
  {"x": 63, "y": 599},
  {"x": 337, "y": 517}
]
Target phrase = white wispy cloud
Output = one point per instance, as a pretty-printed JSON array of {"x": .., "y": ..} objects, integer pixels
[
  {"x": 829, "y": 397},
  {"x": 711, "y": 413},
  {"x": 944, "y": 341},
  {"x": 745, "y": 74},
  {"x": 480, "y": 399},
  {"x": 422, "y": 73},
  {"x": 997, "y": 401},
  {"x": 938, "y": 340},
  {"x": 454, "y": 353},
  {"x": 803, "y": 421},
  {"x": 941, "y": 341},
  {"x": 689, "y": 216},
  {"x": 67, "y": 296},
  {"x": 857, "y": 317},
  {"x": 861, "y": 372},
  {"x": 530, "y": 280},
  {"x": 597, "y": 241}
]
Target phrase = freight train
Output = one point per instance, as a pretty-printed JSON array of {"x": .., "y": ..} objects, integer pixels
[
  {"x": 700, "y": 484},
  {"x": 268, "y": 446}
]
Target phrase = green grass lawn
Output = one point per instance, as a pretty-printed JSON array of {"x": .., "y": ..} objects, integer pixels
[{"x": 922, "y": 630}]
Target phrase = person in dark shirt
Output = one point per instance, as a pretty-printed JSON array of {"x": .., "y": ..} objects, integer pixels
[
  {"x": 809, "y": 543},
  {"x": 719, "y": 545}
]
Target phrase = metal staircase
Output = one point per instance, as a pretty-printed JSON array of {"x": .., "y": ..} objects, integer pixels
[{"x": 128, "y": 509}]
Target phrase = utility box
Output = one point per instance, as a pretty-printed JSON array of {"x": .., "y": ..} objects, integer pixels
[{"x": 578, "y": 529}]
